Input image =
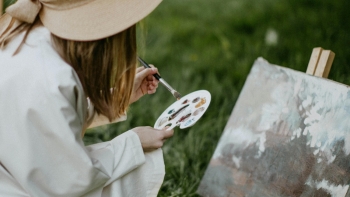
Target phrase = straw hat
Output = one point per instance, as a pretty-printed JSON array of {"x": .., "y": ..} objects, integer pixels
[{"x": 83, "y": 20}]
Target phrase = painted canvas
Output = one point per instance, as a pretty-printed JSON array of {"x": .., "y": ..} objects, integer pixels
[{"x": 288, "y": 135}]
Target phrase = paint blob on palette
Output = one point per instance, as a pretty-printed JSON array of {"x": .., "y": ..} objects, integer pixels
[{"x": 185, "y": 112}]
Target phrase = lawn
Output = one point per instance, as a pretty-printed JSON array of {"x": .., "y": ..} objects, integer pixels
[{"x": 211, "y": 45}]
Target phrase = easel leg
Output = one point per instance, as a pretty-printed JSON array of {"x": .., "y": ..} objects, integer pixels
[{"x": 1, "y": 6}]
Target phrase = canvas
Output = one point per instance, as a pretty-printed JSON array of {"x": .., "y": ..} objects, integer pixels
[{"x": 288, "y": 135}]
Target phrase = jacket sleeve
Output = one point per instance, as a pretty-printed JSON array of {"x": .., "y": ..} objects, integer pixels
[{"x": 46, "y": 153}]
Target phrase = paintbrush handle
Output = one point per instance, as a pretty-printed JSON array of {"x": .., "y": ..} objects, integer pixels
[
  {"x": 162, "y": 81},
  {"x": 157, "y": 76}
]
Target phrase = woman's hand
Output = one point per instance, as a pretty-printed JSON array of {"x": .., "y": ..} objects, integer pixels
[
  {"x": 151, "y": 138},
  {"x": 144, "y": 83}
]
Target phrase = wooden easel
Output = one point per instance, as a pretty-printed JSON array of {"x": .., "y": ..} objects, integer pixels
[
  {"x": 1, "y": 6},
  {"x": 320, "y": 62}
]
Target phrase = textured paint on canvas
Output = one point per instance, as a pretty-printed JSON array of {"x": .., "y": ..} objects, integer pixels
[{"x": 288, "y": 135}]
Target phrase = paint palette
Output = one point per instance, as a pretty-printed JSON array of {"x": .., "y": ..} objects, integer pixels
[{"x": 185, "y": 112}]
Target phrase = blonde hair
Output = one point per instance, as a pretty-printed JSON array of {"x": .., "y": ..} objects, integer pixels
[{"x": 106, "y": 69}]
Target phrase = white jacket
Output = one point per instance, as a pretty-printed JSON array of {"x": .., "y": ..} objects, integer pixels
[{"x": 42, "y": 112}]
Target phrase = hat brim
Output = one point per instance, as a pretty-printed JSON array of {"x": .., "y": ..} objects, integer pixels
[{"x": 96, "y": 19}]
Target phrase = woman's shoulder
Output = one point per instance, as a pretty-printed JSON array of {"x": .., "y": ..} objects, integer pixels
[
  {"x": 37, "y": 68},
  {"x": 37, "y": 60}
]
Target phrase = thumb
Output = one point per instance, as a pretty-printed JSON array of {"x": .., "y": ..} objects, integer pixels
[{"x": 168, "y": 133}]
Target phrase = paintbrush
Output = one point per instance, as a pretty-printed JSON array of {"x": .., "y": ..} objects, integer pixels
[{"x": 176, "y": 94}]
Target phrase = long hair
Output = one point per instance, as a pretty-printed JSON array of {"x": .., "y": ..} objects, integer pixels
[{"x": 106, "y": 69}]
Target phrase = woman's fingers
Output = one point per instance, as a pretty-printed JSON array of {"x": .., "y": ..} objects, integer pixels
[
  {"x": 144, "y": 83},
  {"x": 139, "y": 69},
  {"x": 151, "y": 138},
  {"x": 167, "y": 133},
  {"x": 145, "y": 73},
  {"x": 149, "y": 83},
  {"x": 151, "y": 89}
]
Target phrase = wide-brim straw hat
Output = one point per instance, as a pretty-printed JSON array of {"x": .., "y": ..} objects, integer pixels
[
  {"x": 83, "y": 20},
  {"x": 96, "y": 19}
]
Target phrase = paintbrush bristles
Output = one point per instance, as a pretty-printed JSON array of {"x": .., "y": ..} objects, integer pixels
[{"x": 177, "y": 95}]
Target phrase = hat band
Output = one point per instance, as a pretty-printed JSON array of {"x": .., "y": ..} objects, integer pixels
[{"x": 23, "y": 11}]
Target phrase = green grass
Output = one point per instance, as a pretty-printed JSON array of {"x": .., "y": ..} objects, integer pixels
[{"x": 211, "y": 45}]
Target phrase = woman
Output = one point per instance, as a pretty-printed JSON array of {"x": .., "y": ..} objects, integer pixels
[{"x": 62, "y": 64}]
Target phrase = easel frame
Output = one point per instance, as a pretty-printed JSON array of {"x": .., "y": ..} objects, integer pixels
[
  {"x": 1, "y": 6},
  {"x": 320, "y": 62}
]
